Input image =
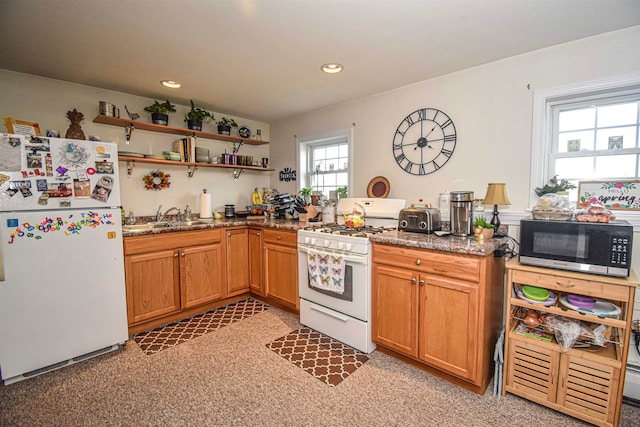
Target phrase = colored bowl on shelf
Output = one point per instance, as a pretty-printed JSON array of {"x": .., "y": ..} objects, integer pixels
[
  {"x": 581, "y": 301},
  {"x": 535, "y": 293},
  {"x": 547, "y": 303}
]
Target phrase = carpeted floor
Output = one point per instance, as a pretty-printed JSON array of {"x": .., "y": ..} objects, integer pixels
[{"x": 229, "y": 377}]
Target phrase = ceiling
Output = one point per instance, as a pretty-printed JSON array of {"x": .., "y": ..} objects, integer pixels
[{"x": 260, "y": 59}]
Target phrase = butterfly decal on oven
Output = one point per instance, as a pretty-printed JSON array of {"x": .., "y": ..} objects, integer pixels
[
  {"x": 324, "y": 270},
  {"x": 313, "y": 278},
  {"x": 312, "y": 267},
  {"x": 337, "y": 271},
  {"x": 324, "y": 280},
  {"x": 323, "y": 259},
  {"x": 336, "y": 282},
  {"x": 336, "y": 260},
  {"x": 311, "y": 257}
]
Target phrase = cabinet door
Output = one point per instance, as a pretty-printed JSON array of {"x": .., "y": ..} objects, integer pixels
[
  {"x": 395, "y": 309},
  {"x": 448, "y": 327},
  {"x": 281, "y": 274},
  {"x": 201, "y": 274},
  {"x": 531, "y": 371},
  {"x": 152, "y": 285},
  {"x": 255, "y": 261},
  {"x": 237, "y": 242},
  {"x": 588, "y": 387}
]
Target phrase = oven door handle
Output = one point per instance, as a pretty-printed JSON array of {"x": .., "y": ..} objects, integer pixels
[
  {"x": 358, "y": 259},
  {"x": 329, "y": 313}
]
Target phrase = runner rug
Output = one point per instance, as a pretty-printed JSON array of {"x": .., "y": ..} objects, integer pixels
[
  {"x": 327, "y": 359},
  {"x": 184, "y": 330}
]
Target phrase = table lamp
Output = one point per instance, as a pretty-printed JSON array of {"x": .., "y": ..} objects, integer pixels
[{"x": 496, "y": 195}]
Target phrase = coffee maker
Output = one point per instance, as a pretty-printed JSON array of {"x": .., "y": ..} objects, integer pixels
[{"x": 461, "y": 213}]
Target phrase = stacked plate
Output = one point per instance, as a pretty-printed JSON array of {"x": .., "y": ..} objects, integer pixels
[
  {"x": 600, "y": 308},
  {"x": 535, "y": 295}
]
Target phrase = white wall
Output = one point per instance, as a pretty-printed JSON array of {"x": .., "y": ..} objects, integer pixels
[
  {"x": 491, "y": 106},
  {"x": 46, "y": 102}
]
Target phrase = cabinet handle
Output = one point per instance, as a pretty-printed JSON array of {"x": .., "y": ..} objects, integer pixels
[
  {"x": 257, "y": 234},
  {"x": 183, "y": 254},
  {"x": 175, "y": 255},
  {"x": 563, "y": 380},
  {"x": 421, "y": 282},
  {"x": 553, "y": 376},
  {"x": 566, "y": 285},
  {"x": 228, "y": 234},
  {"x": 413, "y": 281},
  {"x": 418, "y": 262},
  {"x": 279, "y": 237}
]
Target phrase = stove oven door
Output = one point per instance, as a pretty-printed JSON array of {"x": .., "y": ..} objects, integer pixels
[{"x": 356, "y": 298}]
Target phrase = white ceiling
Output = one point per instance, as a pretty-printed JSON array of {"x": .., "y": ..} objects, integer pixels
[{"x": 260, "y": 59}]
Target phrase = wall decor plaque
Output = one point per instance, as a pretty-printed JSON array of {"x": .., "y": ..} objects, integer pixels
[{"x": 614, "y": 195}]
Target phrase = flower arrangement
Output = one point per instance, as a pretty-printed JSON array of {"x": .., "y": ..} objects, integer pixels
[{"x": 156, "y": 180}]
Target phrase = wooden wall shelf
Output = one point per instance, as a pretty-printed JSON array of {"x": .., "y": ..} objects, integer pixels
[{"x": 134, "y": 124}]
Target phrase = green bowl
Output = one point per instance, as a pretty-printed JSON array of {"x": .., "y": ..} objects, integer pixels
[{"x": 535, "y": 293}]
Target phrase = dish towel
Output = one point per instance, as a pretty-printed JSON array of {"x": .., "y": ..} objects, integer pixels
[{"x": 326, "y": 271}]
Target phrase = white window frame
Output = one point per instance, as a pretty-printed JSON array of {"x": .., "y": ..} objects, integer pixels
[
  {"x": 542, "y": 126},
  {"x": 305, "y": 143}
]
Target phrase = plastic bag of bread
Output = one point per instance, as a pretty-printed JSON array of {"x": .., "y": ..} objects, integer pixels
[
  {"x": 567, "y": 331},
  {"x": 595, "y": 213},
  {"x": 552, "y": 206}
]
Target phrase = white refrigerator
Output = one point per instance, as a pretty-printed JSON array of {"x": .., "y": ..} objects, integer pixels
[{"x": 62, "y": 289}]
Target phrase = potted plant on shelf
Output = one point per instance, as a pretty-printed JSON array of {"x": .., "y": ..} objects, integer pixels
[
  {"x": 196, "y": 117},
  {"x": 483, "y": 229},
  {"x": 225, "y": 124},
  {"x": 160, "y": 112}
]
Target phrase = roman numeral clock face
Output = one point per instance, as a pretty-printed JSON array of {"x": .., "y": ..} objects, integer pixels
[{"x": 424, "y": 141}]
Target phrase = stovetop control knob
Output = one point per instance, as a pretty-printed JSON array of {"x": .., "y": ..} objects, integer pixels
[
  {"x": 327, "y": 243},
  {"x": 313, "y": 241},
  {"x": 340, "y": 245},
  {"x": 349, "y": 246},
  {"x": 307, "y": 240}
]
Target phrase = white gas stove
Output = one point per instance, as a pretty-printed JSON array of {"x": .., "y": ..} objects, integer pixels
[{"x": 334, "y": 271}]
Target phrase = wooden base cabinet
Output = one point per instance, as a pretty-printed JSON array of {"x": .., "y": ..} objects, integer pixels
[
  {"x": 237, "y": 247},
  {"x": 166, "y": 277},
  {"x": 281, "y": 267},
  {"x": 440, "y": 309},
  {"x": 584, "y": 383},
  {"x": 255, "y": 261}
]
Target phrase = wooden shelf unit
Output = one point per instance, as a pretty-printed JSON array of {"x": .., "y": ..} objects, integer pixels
[
  {"x": 586, "y": 383},
  {"x": 197, "y": 164}
]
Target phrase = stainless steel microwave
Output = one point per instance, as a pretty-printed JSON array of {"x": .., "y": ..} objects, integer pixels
[{"x": 598, "y": 248}]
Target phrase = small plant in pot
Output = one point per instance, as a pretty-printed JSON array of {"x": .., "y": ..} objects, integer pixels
[
  {"x": 483, "y": 230},
  {"x": 160, "y": 112},
  {"x": 196, "y": 117},
  {"x": 225, "y": 124},
  {"x": 306, "y": 194}
]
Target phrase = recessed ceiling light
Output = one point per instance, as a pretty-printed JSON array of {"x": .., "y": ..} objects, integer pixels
[
  {"x": 331, "y": 68},
  {"x": 171, "y": 84}
]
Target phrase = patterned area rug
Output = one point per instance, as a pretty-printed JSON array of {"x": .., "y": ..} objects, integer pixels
[
  {"x": 175, "y": 333},
  {"x": 327, "y": 359}
]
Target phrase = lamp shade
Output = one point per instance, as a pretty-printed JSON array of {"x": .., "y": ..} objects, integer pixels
[{"x": 496, "y": 194}]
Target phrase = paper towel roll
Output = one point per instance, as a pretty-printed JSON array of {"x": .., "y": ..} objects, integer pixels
[{"x": 205, "y": 205}]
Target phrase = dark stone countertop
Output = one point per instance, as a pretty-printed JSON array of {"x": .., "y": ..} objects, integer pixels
[{"x": 464, "y": 245}]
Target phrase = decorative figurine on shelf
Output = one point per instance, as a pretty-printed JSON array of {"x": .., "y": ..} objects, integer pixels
[
  {"x": 132, "y": 116},
  {"x": 75, "y": 131}
]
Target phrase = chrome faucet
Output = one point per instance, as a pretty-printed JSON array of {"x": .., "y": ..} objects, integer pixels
[{"x": 161, "y": 216}]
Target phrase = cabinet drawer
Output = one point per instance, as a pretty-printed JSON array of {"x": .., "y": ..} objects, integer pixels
[
  {"x": 574, "y": 285},
  {"x": 280, "y": 237},
  {"x": 458, "y": 266},
  {"x": 157, "y": 242}
]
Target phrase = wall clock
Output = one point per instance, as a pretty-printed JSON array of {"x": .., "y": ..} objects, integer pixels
[{"x": 424, "y": 141}]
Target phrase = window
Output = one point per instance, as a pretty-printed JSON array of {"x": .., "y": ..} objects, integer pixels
[
  {"x": 587, "y": 132},
  {"x": 324, "y": 162}
]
